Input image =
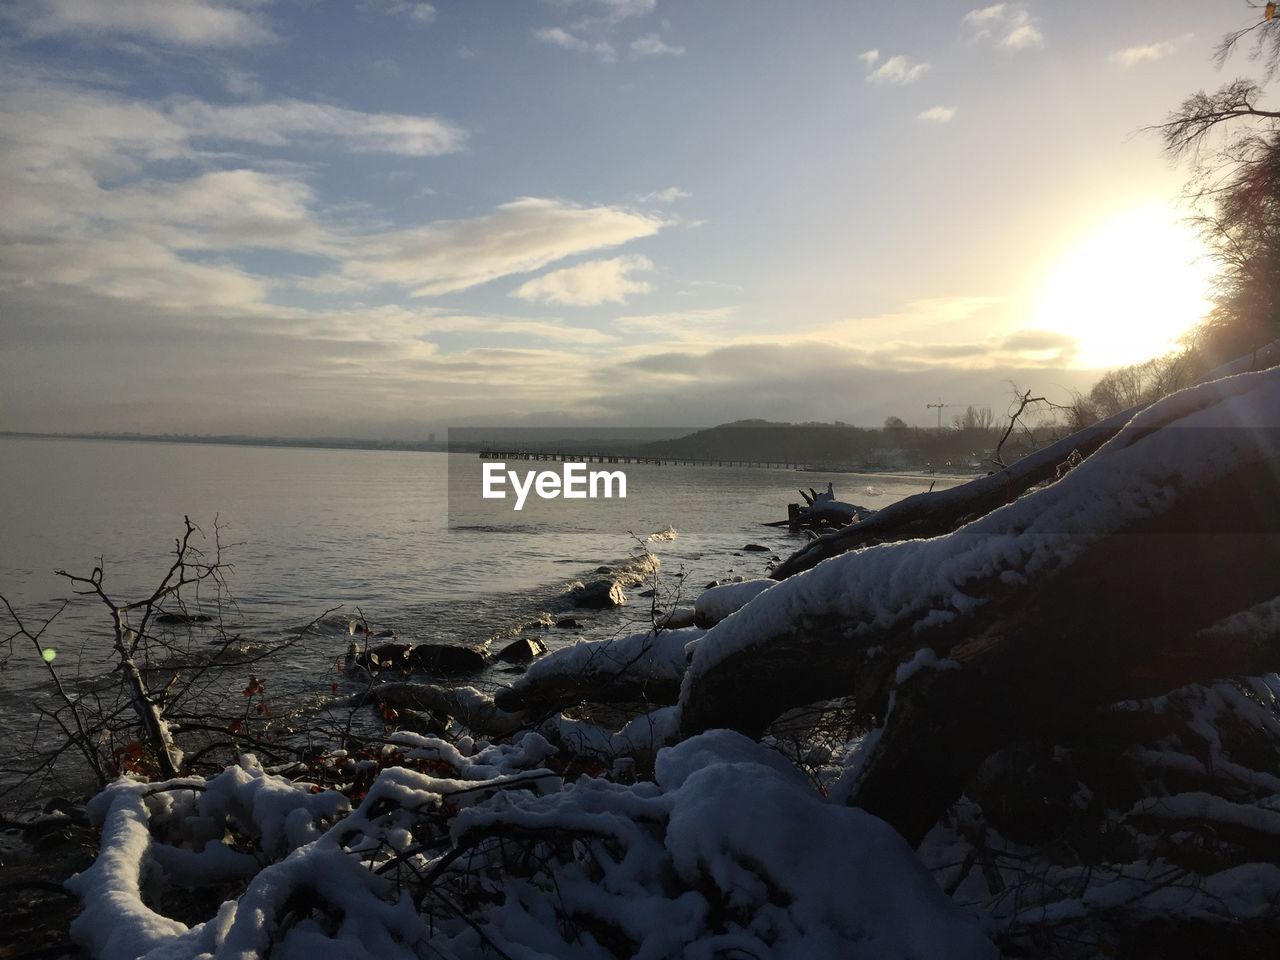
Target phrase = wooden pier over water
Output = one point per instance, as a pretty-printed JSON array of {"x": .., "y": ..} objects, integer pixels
[{"x": 624, "y": 458}]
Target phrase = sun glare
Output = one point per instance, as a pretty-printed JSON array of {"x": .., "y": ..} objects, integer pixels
[{"x": 1129, "y": 289}]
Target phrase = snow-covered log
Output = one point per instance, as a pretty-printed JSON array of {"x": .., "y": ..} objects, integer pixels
[
  {"x": 715, "y": 603},
  {"x": 1091, "y": 590},
  {"x": 641, "y": 666},
  {"x": 472, "y": 707},
  {"x": 935, "y": 513}
]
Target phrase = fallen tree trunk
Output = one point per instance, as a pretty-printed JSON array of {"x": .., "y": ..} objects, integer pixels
[
  {"x": 935, "y": 513},
  {"x": 1094, "y": 589}
]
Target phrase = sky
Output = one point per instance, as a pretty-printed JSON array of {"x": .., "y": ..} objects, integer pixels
[{"x": 378, "y": 218}]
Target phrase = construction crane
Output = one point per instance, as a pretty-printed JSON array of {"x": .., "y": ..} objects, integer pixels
[{"x": 939, "y": 407}]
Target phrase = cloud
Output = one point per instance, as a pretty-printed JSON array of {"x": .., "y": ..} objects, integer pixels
[
  {"x": 1010, "y": 25},
  {"x": 588, "y": 284},
  {"x": 625, "y": 9},
  {"x": 897, "y": 69},
  {"x": 602, "y": 50},
  {"x": 241, "y": 83},
  {"x": 651, "y": 45},
  {"x": 220, "y": 210},
  {"x": 54, "y": 130},
  {"x": 595, "y": 31},
  {"x": 277, "y": 122},
  {"x": 869, "y": 57},
  {"x": 186, "y": 23},
  {"x": 669, "y": 195},
  {"x": 938, "y": 114},
  {"x": 422, "y": 14},
  {"x": 443, "y": 322},
  {"x": 518, "y": 237},
  {"x": 363, "y": 371},
  {"x": 1147, "y": 53},
  {"x": 698, "y": 324}
]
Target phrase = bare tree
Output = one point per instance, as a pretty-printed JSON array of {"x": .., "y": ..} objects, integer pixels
[
  {"x": 1232, "y": 137},
  {"x": 172, "y": 705}
]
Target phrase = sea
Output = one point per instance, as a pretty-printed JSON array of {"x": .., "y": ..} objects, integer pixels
[{"x": 349, "y": 535}]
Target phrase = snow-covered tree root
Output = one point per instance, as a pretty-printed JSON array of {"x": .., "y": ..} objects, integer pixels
[
  {"x": 1162, "y": 842},
  {"x": 936, "y": 513},
  {"x": 639, "y": 674},
  {"x": 1094, "y": 589},
  {"x": 486, "y": 854}
]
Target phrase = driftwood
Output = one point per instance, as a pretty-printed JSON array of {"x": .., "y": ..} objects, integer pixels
[
  {"x": 1092, "y": 590},
  {"x": 935, "y": 513}
]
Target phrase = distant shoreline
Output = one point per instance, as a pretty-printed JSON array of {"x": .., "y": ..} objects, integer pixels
[
  {"x": 336, "y": 443},
  {"x": 428, "y": 446}
]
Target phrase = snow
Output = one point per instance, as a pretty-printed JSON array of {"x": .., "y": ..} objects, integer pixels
[
  {"x": 114, "y": 921},
  {"x": 717, "y": 603},
  {"x": 729, "y": 848},
  {"x": 651, "y": 655},
  {"x": 1197, "y": 805},
  {"x": 925, "y": 659},
  {"x": 641, "y": 736}
]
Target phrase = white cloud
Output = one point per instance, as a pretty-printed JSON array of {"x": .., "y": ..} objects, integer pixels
[
  {"x": 518, "y": 237},
  {"x": 47, "y": 127},
  {"x": 624, "y": 9},
  {"x": 652, "y": 45},
  {"x": 126, "y": 264},
  {"x": 981, "y": 19},
  {"x": 422, "y": 14},
  {"x": 241, "y": 83},
  {"x": 188, "y": 23},
  {"x": 588, "y": 284},
  {"x": 898, "y": 69},
  {"x": 938, "y": 114},
  {"x": 276, "y": 122},
  {"x": 1147, "y": 53},
  {"x": 602, "y": 50},
  {"x": 1010, "y": 25},
  {"x": 869, "y": 57},
  {"x": 221, "y": 210},
  {"x": 669, "y": 195}
]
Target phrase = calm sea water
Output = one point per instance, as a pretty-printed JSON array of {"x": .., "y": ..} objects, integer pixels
[{"x": 310, "y": 529}]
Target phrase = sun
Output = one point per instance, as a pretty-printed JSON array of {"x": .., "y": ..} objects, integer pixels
[{"x": 1128, "y": 289}]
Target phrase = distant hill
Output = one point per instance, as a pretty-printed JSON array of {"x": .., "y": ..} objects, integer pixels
[{"x": 779, "y": 442}]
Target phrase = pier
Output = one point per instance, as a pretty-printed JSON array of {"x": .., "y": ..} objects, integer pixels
[{"x": 624, "y": 458}]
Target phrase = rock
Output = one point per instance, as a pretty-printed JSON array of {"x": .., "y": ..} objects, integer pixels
[
  {"x": 646, "y": 593},
  {"x": 522, "y": 650},
  {"x": 172, "y": 618},
  {"x": 568, "y": 623},
  {"x": 756, "y": 548},
  {"x": 445, "y": 658},
  {"x": 386, "y": 658},
  {"x": 599, "y": 595}
]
